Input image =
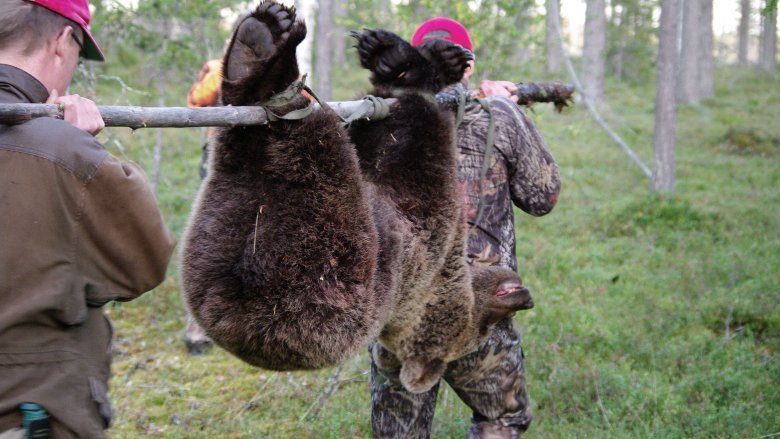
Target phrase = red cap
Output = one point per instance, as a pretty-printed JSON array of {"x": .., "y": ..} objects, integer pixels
[
  {"x": 77, "y": 11},
  {"x": 444, "y": 28}
]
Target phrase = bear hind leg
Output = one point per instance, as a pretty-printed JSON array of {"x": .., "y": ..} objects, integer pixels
[
  {"x": 393, "y": 62},
  {"x": 448, "y": 59},
  {"x": 260, "y": 59}
]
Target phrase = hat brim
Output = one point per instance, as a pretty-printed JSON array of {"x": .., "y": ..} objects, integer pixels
[{"x": 91, "y": 49}]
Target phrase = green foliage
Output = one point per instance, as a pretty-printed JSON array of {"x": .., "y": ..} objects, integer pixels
[
  {"x": 631, "y": 40},
  {"x": 657, "y": 317},
  {"x": 500, "y": 29},
  {"x": 158, "y": 43},
  {"x": 769, "y": 7},
  {"x": 658, "y": 213},
  {"x": 503, "y": 31},
  {"x": 750, "y": 141}
]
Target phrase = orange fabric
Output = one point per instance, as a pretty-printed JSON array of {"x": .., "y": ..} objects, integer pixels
[{"x": 205, "y": 91}]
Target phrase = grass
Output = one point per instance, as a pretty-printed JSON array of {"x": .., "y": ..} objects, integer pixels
[{"x": 656, "y": 316}]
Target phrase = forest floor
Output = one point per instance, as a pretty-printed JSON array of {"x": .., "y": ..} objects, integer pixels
[{"x": 655, "y": 316}]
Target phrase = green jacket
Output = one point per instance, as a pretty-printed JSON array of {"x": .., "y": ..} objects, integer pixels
[{"x": 78, "y": 228}]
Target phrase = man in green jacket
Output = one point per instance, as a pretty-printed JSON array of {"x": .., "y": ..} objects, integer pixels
[{"x": 78, "y": 228}]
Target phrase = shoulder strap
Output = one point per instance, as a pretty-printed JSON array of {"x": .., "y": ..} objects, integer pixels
[{"x": 485, "y": 160}]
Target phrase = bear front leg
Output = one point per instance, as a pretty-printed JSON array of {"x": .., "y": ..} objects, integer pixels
[{"x": 396, "y": 64}]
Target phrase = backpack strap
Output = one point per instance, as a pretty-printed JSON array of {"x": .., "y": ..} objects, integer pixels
[{"x": 490, "y": 141}]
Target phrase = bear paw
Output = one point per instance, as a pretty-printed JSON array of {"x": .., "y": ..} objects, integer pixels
[
  {"x": 393, "y": 62},
  {"x": 448, "y": 59},
  {"x": 384, "y": 53},
  {"x": 258, "y": 37}
]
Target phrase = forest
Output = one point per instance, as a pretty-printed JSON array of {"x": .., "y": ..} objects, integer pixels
[{"x": 656, "y": 278}]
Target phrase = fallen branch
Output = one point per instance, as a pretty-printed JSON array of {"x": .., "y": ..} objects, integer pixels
[
  {"x": 333, "y": 386},
  {"x": 228, "y": 116},
  {"x": 594, "y": 112}
]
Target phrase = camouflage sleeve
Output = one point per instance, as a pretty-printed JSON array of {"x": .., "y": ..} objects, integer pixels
[{"x": 533, "y": 177}]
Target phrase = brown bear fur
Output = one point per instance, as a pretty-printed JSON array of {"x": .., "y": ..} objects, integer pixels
[{"x": 308, "y": 240}]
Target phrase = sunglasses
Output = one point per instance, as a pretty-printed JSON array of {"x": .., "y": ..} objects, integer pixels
[{"x": 82, "y": 53}]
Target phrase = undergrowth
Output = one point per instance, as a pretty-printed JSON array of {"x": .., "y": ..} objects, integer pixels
[{"x": 656, "y": 316}]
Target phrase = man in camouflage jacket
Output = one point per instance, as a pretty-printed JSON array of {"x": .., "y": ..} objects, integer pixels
[{"x": 521, "y": 171}]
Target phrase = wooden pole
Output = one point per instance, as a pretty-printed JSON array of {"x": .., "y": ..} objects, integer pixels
[
  {"x": 228, "y": 116},
  {"x": 145, "y": 117}
]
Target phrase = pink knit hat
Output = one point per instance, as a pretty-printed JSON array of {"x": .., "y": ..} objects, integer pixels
[{"x": 444, "y": 28}]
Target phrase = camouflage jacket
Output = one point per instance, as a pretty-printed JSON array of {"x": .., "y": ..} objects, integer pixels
[{"x": 521, "y": 171}]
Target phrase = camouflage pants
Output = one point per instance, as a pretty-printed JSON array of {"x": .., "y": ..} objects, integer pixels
[{"x": 491, "y": 381}]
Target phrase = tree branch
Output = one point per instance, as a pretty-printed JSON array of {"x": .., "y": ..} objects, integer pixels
[{"x": 228, "y": 116}]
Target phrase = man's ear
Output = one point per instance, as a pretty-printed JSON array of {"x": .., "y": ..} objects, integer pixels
[
  {"x": 469, "y": 70},
  {"x": 61, "y": 44}
]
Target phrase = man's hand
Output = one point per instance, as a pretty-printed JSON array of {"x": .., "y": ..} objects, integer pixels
[
  {"x": 80, "y": 112},
  {"x": 498, "y": 88}
]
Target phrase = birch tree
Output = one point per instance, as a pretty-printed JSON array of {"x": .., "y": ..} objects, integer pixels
[{"x": 665, "y": 132}]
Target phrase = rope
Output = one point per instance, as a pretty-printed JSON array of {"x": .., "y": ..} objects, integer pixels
[
  {"x": 371, "y": 106},
  {"x": 285, "y": 97},
  {"x": 463, "y": 97},
  {"x": 490, "y": 142}
]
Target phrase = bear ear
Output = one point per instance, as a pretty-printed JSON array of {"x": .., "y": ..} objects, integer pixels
[{"x": 418, "y": 374}]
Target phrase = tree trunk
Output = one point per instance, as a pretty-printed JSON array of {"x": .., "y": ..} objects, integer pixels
[
  {"x": 619, "y": 21},
  {"x": 706, "y": 57},
  {"x": 339, "y": 38},
  {"x": 419, "y": 9},
  {"x": 553, "y": 15},
  {"x": 664, "y": 139},
  {"x": 744, "y": 33},
  {"x": 305, "y": 10},
  {"x": 687, "y": 83},
  {"x": 387, "y": 17},
  {"x": 593, "y": 50},
  {"x": 768, "y": 49},
  {"x": 323, "y": 59}
]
